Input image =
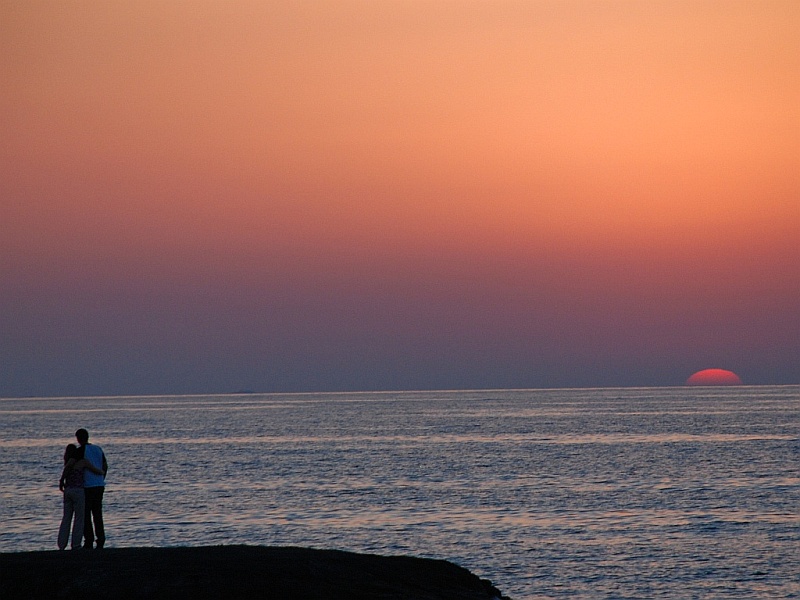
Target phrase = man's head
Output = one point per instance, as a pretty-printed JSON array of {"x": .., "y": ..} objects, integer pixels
[{"x": 82, "y": 436}]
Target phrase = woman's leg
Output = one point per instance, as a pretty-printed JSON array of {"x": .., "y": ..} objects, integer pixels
[
  {"x": 66, "y": 521},
  {"x": 77, "y": 527}
]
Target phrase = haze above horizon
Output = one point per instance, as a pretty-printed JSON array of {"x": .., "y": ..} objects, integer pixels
[{"x": 348, "y": 195}]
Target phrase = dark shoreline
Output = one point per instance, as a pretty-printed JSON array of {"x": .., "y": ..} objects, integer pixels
[{"x": 235, "y": 572}]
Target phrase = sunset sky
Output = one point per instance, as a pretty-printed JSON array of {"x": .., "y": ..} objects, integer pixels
[{"x": 213, "y": 196}]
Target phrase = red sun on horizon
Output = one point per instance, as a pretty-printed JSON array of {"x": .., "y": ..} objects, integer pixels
[{"x": 714, "y": 377}]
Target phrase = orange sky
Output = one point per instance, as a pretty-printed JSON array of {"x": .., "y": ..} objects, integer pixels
[{"x": 587, "y": 142}]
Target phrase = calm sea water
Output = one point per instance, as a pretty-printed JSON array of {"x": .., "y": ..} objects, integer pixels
[{"x": 617, "y": 493}]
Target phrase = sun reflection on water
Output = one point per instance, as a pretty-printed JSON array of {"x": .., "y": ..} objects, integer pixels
[{"x": 561, "y": 493}]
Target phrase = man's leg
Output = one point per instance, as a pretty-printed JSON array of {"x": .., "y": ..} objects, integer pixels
[
  {"x": 88, "y": 531},
  {"x": 97, "y": 515}
]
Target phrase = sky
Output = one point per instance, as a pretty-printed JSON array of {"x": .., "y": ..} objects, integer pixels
[{"x": 335, "y": 195}]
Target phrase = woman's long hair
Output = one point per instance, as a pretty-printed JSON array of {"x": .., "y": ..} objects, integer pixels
[{"x": 70, "y": 452}]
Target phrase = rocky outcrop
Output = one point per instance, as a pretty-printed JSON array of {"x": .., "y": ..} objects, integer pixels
[{"x": 233, "y": 572}]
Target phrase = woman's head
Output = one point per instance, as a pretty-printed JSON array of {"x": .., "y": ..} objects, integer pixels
[{"x": 70, "y": 452}]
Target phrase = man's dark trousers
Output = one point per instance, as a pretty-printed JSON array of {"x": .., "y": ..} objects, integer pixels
[{"x": 94, "y": 512}]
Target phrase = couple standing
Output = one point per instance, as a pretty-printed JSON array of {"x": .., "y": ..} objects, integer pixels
[{"x": 83, "y": 484}]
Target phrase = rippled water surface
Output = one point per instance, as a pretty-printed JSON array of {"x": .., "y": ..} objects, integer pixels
[{"x": 617, "y": 493}]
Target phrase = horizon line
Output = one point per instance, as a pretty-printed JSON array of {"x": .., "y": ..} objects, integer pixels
[{"x": 386, "y": 391}]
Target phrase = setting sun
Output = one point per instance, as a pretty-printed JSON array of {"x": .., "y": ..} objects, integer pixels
[{"x": 714, "y": 377}]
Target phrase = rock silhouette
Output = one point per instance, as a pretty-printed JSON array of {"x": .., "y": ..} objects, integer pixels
[{"x": 233, "y": 572}]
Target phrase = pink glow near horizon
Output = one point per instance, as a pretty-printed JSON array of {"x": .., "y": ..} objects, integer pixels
[{"x": 351, "y": 195}]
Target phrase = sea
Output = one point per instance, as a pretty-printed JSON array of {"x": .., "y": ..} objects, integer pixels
[{"x": 685, "y": 492}]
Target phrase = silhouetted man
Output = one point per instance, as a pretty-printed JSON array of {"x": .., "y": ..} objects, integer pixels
[{"x": 93, "y": 487}]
